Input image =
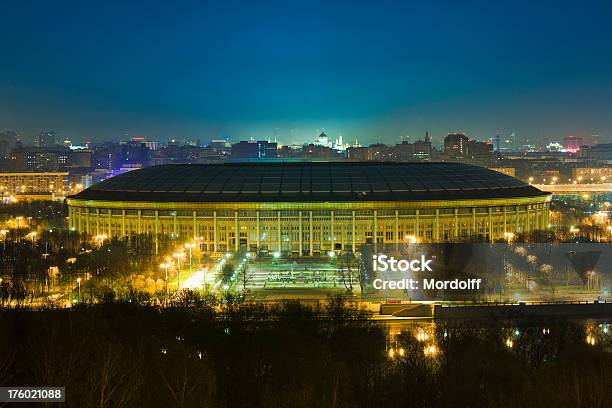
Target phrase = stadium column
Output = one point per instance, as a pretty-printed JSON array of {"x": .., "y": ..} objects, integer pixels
[
  {"x": 332, "y": 238},
  {"x": 88, "y": 221},
  {"x": 279, "y": 235},
  {"x": 526, "y": 218},
  {"x": 236, "y": 232},
  {"x": 310, "y": 235},
  {"x": 505, "y": 221},
  {"x": 258, "y": 232},
  {"x": 110, "y": 214},
  {"x": 300, "y": 232},
  {"x": 215, "y": 231},
  {"x": 397, "y": 237},
  {"x": 140, "y": 221},
  {"x": 156, "y": 231},
  {"x": 123, "y": 223},
  {"x": 516, "y": 217},
  {"x": 195, "y": 225},
  {"x": 490, "y": 224},
  {"x": 456, "y": 226},
  {"x": 474, "y": 232},
  {"x": 375, "y": 232},
  {"x": 353, "y": 232},
  {"x": 97, "y": 221},
  {"x": 437, "y": 226},
  {"x": 174, "y": 235},
  {"x": 417, "y": 229}
]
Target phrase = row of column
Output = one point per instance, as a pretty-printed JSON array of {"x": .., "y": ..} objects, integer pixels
[{"x": 540, "y": 223}]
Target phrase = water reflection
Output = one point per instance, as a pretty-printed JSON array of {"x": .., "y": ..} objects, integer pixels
[{"x": 534, "y": 342}]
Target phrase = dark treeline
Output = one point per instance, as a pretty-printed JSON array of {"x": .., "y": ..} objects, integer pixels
[{"x": 240, "y": 354}]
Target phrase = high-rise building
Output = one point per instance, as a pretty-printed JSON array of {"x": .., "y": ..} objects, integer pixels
[
  {"x": 455, "y": 145},
  {"x": 47, "y": 139},
  {"x": 572, "y": 144},
  {"x": 260, "y": 149}
]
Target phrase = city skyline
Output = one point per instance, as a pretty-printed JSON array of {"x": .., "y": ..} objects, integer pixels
[{"x": 373, "y": 74}]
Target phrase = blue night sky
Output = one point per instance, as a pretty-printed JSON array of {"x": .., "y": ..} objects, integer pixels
[{"x": 374, "y": 71}]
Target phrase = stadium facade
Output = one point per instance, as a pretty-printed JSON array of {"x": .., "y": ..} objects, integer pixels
[{"x": 310, "y": 208}]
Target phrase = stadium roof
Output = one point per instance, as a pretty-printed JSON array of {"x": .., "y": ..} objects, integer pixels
[{"x": 310, "y": 182}]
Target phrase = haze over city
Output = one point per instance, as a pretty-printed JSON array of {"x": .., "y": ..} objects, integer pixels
[{"x": 287, "y": 70}]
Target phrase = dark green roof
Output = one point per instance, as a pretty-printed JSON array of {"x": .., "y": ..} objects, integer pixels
[{"x": 309, "y": 181}]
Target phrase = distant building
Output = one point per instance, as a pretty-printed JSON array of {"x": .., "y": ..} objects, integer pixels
[
  {"x": 592, "y": 174},
  {"x": 572, "y": 144},
  {"x": 422, "y": 149},
  {"x": 14, "y": 184},
  {"x": 221, "y": 145},
  {"x": 39, "y": 159},
  {"x": 455, "y": 145},
  {"x": 254, "y": 150},
  {"x": 322, "y": 140},
  {"x": 47, "y": 139},
  {"x": 598, "y": 152}
]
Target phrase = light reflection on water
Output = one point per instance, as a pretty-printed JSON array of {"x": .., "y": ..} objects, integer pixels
[{"x": 528, "y": 338}]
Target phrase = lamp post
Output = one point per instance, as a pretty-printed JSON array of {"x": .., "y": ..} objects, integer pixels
[
  {"x": 190, "y": 246},
  {"x": 32, "y": 235},
  {"x": 100, "y": 238},
  {"x": 79, "y": 284},
  {"x": 165, "y": 267},
  {"x": 178, "y": 256}
]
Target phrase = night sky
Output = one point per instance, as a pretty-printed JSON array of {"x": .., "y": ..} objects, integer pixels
[{"x": 374, "y": 71}]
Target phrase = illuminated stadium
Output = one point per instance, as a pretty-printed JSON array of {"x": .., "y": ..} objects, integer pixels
[{"x": 310, "y": 208}]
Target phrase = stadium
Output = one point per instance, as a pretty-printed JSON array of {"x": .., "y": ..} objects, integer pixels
[{"x": 310, "y": 208}]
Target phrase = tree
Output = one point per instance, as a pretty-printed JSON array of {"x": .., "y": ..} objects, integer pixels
[
  {"x": 347, "y": 266},
  {"x": 550, "y": 277},
  {"x": 227, "y": 271}
]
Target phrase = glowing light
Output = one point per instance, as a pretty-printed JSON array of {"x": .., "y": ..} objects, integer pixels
[
  {"x": 430, "y": 350},
  {"x": 101, "y": 238},
  {"x": 421, "y": 335},
  {"x": 411, "y": 239},
  {"x": 194, "y": 281}
]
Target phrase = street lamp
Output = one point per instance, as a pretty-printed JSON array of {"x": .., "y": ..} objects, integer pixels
[
  {"x": 79, "y": 283},
  {"x": 165, "y": 267},
  {"x": 178, "y": 256},
  {"x": 190, "y": 246},
  {"x": 411, "y": 239},
  {"x": 101, "y": 238},
  {"x": 32, "y": 235}
]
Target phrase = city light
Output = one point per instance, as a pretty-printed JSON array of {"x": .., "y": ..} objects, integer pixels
[
  {"x": 431, "y": 350},
  {"x": 411, "y": 239},
  {"x": 421, "y": 335},
  {"x": 100, "y": 238}
]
